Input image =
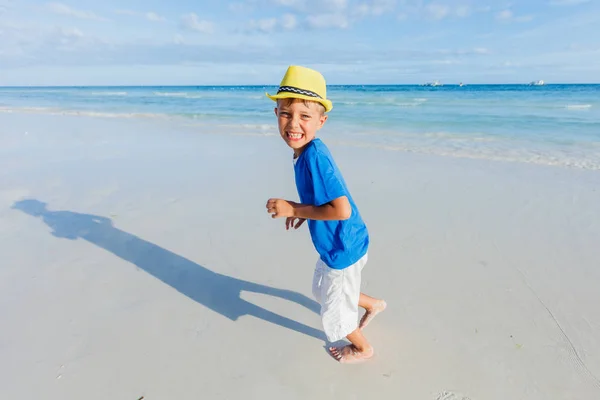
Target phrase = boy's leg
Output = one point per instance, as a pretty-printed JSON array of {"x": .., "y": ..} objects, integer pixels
[
  {"x": 372, "y": 306},
  {"x": 360, "y": 350},
  {"x": 340, "y": 292}
]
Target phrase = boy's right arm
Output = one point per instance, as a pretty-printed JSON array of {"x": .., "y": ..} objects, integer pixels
[{"x": 337, "y": 209}]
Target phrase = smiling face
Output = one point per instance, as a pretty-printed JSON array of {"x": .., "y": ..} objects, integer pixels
[{"x": 298, "y": 121}]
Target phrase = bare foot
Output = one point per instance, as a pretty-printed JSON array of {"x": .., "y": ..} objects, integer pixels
[
  {"x": 370, "y": 314},
  {"x": 350, "y": 354}
]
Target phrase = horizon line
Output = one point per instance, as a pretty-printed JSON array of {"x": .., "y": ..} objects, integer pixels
[{"x": 275, "y": 85}]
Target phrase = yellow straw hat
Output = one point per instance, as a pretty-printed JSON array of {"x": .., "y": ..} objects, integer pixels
[{"x": 303, "y": 83}]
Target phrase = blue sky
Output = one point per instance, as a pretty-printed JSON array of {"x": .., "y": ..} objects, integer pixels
[{"x": 135, "y": 42}]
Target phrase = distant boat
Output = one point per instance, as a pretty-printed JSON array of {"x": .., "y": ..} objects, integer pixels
[
  {"x": 434, "y": 83},
  {"x": 461, "y": 84},
  {"x": 537, "y": 83}
]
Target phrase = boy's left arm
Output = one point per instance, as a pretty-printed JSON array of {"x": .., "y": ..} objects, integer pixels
[{"x": 337, "y": 209}]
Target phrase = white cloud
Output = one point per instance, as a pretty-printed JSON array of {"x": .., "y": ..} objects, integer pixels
[
  {"x": 288, "y": 3},
  {"x": 463, "y": 11},
  {"x": 239, "y": 7},
  {"x": 320, "y": 14},
  {"x": 582, "y": 48},
  {"x": 289, "y": 22},
  {"x": 376, "y": 7},
  {"x": 446, "y": 62},
  {"x": 437, "y": 11},
  {"x": 336, "y": 5},
  {"x": 193, "y": 23},
  {"x": 150, "y": 15},
  {"x": 154, "y": 17},
  {"x": 524, "y": 18},
  {"x": 266, "y": 25},
  {"x": 466, "y": 52},
  {"x": 178, "y": 39},
  {"x": 504, "y": 15},
  {"x": 327, "y": 21},
  {"x": 63, "y": 9},
  {"x": 5, "y": 5},
  {"x": 126, "y": 12},
  {"x": 314, "y": 6},
  {"x": 269, "y": 25},
  {"x": 567, "y": 2},
  {"x": 508, "y": 16},
  {"x": 29, "y": 43},
  {"x": 66, "y": 39},
  {"x": 70, "y": 32},
  {"x": 363, "y": 9},
  {"x": 481, "y": 50}
]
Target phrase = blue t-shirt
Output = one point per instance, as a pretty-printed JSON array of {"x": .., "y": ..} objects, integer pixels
[{"x": 319, "y": 181}]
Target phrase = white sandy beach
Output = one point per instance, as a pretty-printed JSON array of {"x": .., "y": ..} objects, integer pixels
[{"x": 139, "y": 260}]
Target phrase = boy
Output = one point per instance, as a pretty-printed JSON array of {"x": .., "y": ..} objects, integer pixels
[{"x": 336, "y": 227}]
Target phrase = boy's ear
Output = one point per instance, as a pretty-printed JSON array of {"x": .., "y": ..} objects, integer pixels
[
  {"x": 275, "y": 111},
  {"x": 322, "y": 120}
]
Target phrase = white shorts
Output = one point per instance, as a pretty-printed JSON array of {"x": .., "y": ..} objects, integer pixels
[{"x": 338, "y": 291}]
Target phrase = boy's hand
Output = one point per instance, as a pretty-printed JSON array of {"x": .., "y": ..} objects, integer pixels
[
  {"x": 289, "y": 222},
  {"x": 280, "y": 208}
]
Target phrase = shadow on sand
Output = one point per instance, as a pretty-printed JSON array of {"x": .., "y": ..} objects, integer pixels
[{"x": 220, "y": 293}]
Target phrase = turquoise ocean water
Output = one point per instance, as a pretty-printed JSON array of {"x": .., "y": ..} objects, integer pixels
[{"x": 551, "y": 124}]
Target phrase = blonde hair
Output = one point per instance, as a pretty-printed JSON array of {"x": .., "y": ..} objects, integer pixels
[{"x": 307, "y": 103}]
